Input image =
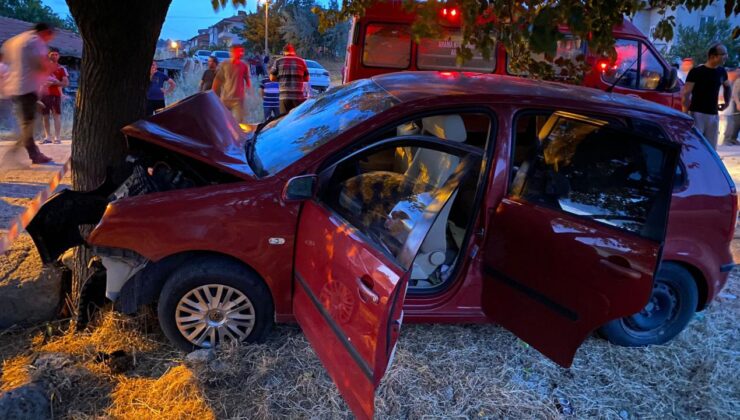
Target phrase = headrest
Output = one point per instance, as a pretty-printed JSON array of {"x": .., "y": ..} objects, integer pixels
[
  {"x": 447, "y": 127},
  {"x": 407, "y": 129}
]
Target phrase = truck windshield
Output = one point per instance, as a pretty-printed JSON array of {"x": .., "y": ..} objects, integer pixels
[{"x": 316, "y": 121}]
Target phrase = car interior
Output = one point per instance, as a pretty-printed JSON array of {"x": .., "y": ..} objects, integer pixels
[{"x": 385, "y": 193}]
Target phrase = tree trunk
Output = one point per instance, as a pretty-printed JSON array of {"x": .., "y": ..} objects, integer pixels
[{"x": 119, "y": 38}]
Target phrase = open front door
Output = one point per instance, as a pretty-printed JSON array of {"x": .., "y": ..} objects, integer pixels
[
  {"x": 578, "y": 238},
  {"x": 355, "y": 245}
]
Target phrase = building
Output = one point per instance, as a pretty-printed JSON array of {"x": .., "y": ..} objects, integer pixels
[
  {"x": 198, "y": 42},
  {"x": 222, "y": 33},
  {"x": 647, "y": 20}
]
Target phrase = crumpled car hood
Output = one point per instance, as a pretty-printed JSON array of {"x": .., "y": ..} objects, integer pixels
[{"x": 202, "y": 128}]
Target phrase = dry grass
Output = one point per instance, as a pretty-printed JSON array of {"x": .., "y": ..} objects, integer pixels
[
  {"x": 441, "y": 371},
  {"x": 175, "y": 395}
]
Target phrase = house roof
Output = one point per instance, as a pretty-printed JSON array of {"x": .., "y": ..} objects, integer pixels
[{"x": 68, "y": 42}]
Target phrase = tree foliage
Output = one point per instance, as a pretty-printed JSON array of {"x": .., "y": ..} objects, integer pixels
[
  {"x": 693, "y": 43},
  {"x": 530, "y": 27},
  {"x": 292, "y": 21},
  {"x": 34, "y": 11}
]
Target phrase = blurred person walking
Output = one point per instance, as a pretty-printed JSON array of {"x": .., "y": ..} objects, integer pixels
[
  {"x": 232, "y": 81},
  {"x": 52, "y": 98},
  {"x": 270, "y": 92},
  {"x": 155, "y": 93},
  {"x": 6, "y": 106},
  {"x": 699, "y": 95},
  {"x": 206, "y": 82},
  {"x": 26, "y": 56},
  {"x": 684, "y": 68},
  {"x": 729, "y": 124},
  {"x": 291, "y": 73}
]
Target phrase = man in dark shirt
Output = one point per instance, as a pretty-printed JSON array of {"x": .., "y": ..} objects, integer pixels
[
  {"x": 701, "y": 91},
  {"x": 291, "y": 73},
  {"x": 206, "y": 82}
]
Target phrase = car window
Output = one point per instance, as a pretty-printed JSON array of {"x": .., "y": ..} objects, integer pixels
[
  {"x": 441, "y": 54},
  {"x": 387, "y": 45},
  {"x": 624, "y": 71},
  {"x": 315, "y": 122},
  {"x": 313, "y": 64},
  {"x": 651, "y": 70},
  {"x": 384, "y": 197},
  {"x": 586, "y": 168}
]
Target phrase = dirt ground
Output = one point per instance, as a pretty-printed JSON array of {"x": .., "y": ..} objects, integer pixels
[{"x": 122, "y": 367}]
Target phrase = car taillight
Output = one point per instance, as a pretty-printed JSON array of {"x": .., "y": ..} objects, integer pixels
[
  {"x": 450, "y": 14},
  {"x": 602, "y": 65}
]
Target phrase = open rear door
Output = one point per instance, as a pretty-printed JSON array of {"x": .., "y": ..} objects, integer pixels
[
  {"x": 353, "y": 258},
  {"x": 578, "y": 238}
]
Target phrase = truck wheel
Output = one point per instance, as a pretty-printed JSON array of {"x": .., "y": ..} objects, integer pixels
[
  {"x": 212, "y": 300},
  {"x": 671, "y": 307}
]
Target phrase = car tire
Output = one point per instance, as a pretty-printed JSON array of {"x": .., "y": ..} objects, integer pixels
[
  {"x": 214, "y": 299},
  {"x": 672, "y": 305}
]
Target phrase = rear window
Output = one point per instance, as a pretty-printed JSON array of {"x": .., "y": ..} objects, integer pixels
[
  {"x": 203, "y": 52},
  {"x": 441, "y": 54},
  {"x": 387, "y": 45},
  {"x": 222, "y": 54},
  {"x": 313, "y": 64}
]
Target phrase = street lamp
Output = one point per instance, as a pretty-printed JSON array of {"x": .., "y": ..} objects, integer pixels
[
  {"x": 266, "y": 3},
  {"x": 175, "y": 46}
]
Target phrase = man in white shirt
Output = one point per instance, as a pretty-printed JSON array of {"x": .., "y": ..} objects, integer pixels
[{"x": 26, "y": 57}]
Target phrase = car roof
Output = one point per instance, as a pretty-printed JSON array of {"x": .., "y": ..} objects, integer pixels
[{"x": 411, "y": 86}]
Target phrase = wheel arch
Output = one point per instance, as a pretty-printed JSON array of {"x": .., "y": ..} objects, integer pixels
[
  {"x": 144, "y": 288},
  {"x": 701, "y": 281}
]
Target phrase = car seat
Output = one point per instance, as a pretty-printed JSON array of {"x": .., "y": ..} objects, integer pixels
[{"x": 435, "y": 168}]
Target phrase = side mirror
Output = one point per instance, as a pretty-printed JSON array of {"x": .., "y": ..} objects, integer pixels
[
  {"x": 670, "y": 79},
  {"x": 300, "y": 188}
]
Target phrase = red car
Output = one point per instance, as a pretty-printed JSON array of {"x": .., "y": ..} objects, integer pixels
[{"x": 552, "y": 210}]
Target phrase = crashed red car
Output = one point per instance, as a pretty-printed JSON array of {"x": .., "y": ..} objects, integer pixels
[{"x": 553, "y": 210}]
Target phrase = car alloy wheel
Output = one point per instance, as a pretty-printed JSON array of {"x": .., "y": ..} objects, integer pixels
[{"x": 213, "y": 313}]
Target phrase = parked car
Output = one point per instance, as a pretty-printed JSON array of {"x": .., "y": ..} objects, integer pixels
[
  {"x": 221, "y": 55},
  {"x": 202, "y": 56},
  {"x": 318, "y": 76},
  {"x": 552, "y": 210}
]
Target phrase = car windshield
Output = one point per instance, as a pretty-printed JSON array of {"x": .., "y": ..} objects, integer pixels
[
  {"x": 203, "y": 53},
  {"x": 313, "y": 64},
  {"x": 222, "y": 54},
  {"x": 316, "y": 121}
]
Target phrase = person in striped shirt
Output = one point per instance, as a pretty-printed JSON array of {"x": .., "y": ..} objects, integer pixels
[
  {"x": 270, "y": 92},
  {"x": 291, "y": 73}
]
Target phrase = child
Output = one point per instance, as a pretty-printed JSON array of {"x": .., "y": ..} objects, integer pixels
[{"x": 270, "y": 92}]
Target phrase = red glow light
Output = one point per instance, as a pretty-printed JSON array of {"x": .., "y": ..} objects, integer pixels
[
  {"x": 444, "y": 11},
  {"x": 453, "y": 12}
]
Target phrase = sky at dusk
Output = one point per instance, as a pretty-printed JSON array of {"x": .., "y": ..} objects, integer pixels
[{"x": 184, "y": 17}]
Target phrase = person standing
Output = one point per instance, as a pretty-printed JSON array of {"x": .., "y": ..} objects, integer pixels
[
  {"x": 291, "y": 73},
  {"x": 206, "y": 82},
  {"x": 52, "y": 99},
  {"x": 270, "y": 92},
  {"x": 232, "y": 81},
  {"x": 155, "y": 93},
  {"x": 684, "y": 68},
  {"x": 26, "y": 56},
  {"x": 699, "y": 96},
  {"x": 730, "y": 117}
]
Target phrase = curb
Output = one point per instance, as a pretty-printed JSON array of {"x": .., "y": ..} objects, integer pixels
[{"x": 19, "y": 223}]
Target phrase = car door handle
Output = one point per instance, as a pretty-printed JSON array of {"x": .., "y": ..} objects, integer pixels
[
  {"x": 621, "y": 269},
  {"x": 366, "y": 291}
]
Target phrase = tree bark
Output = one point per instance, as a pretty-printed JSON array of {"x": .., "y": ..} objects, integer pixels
[{"x": 119, "y": 39}]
